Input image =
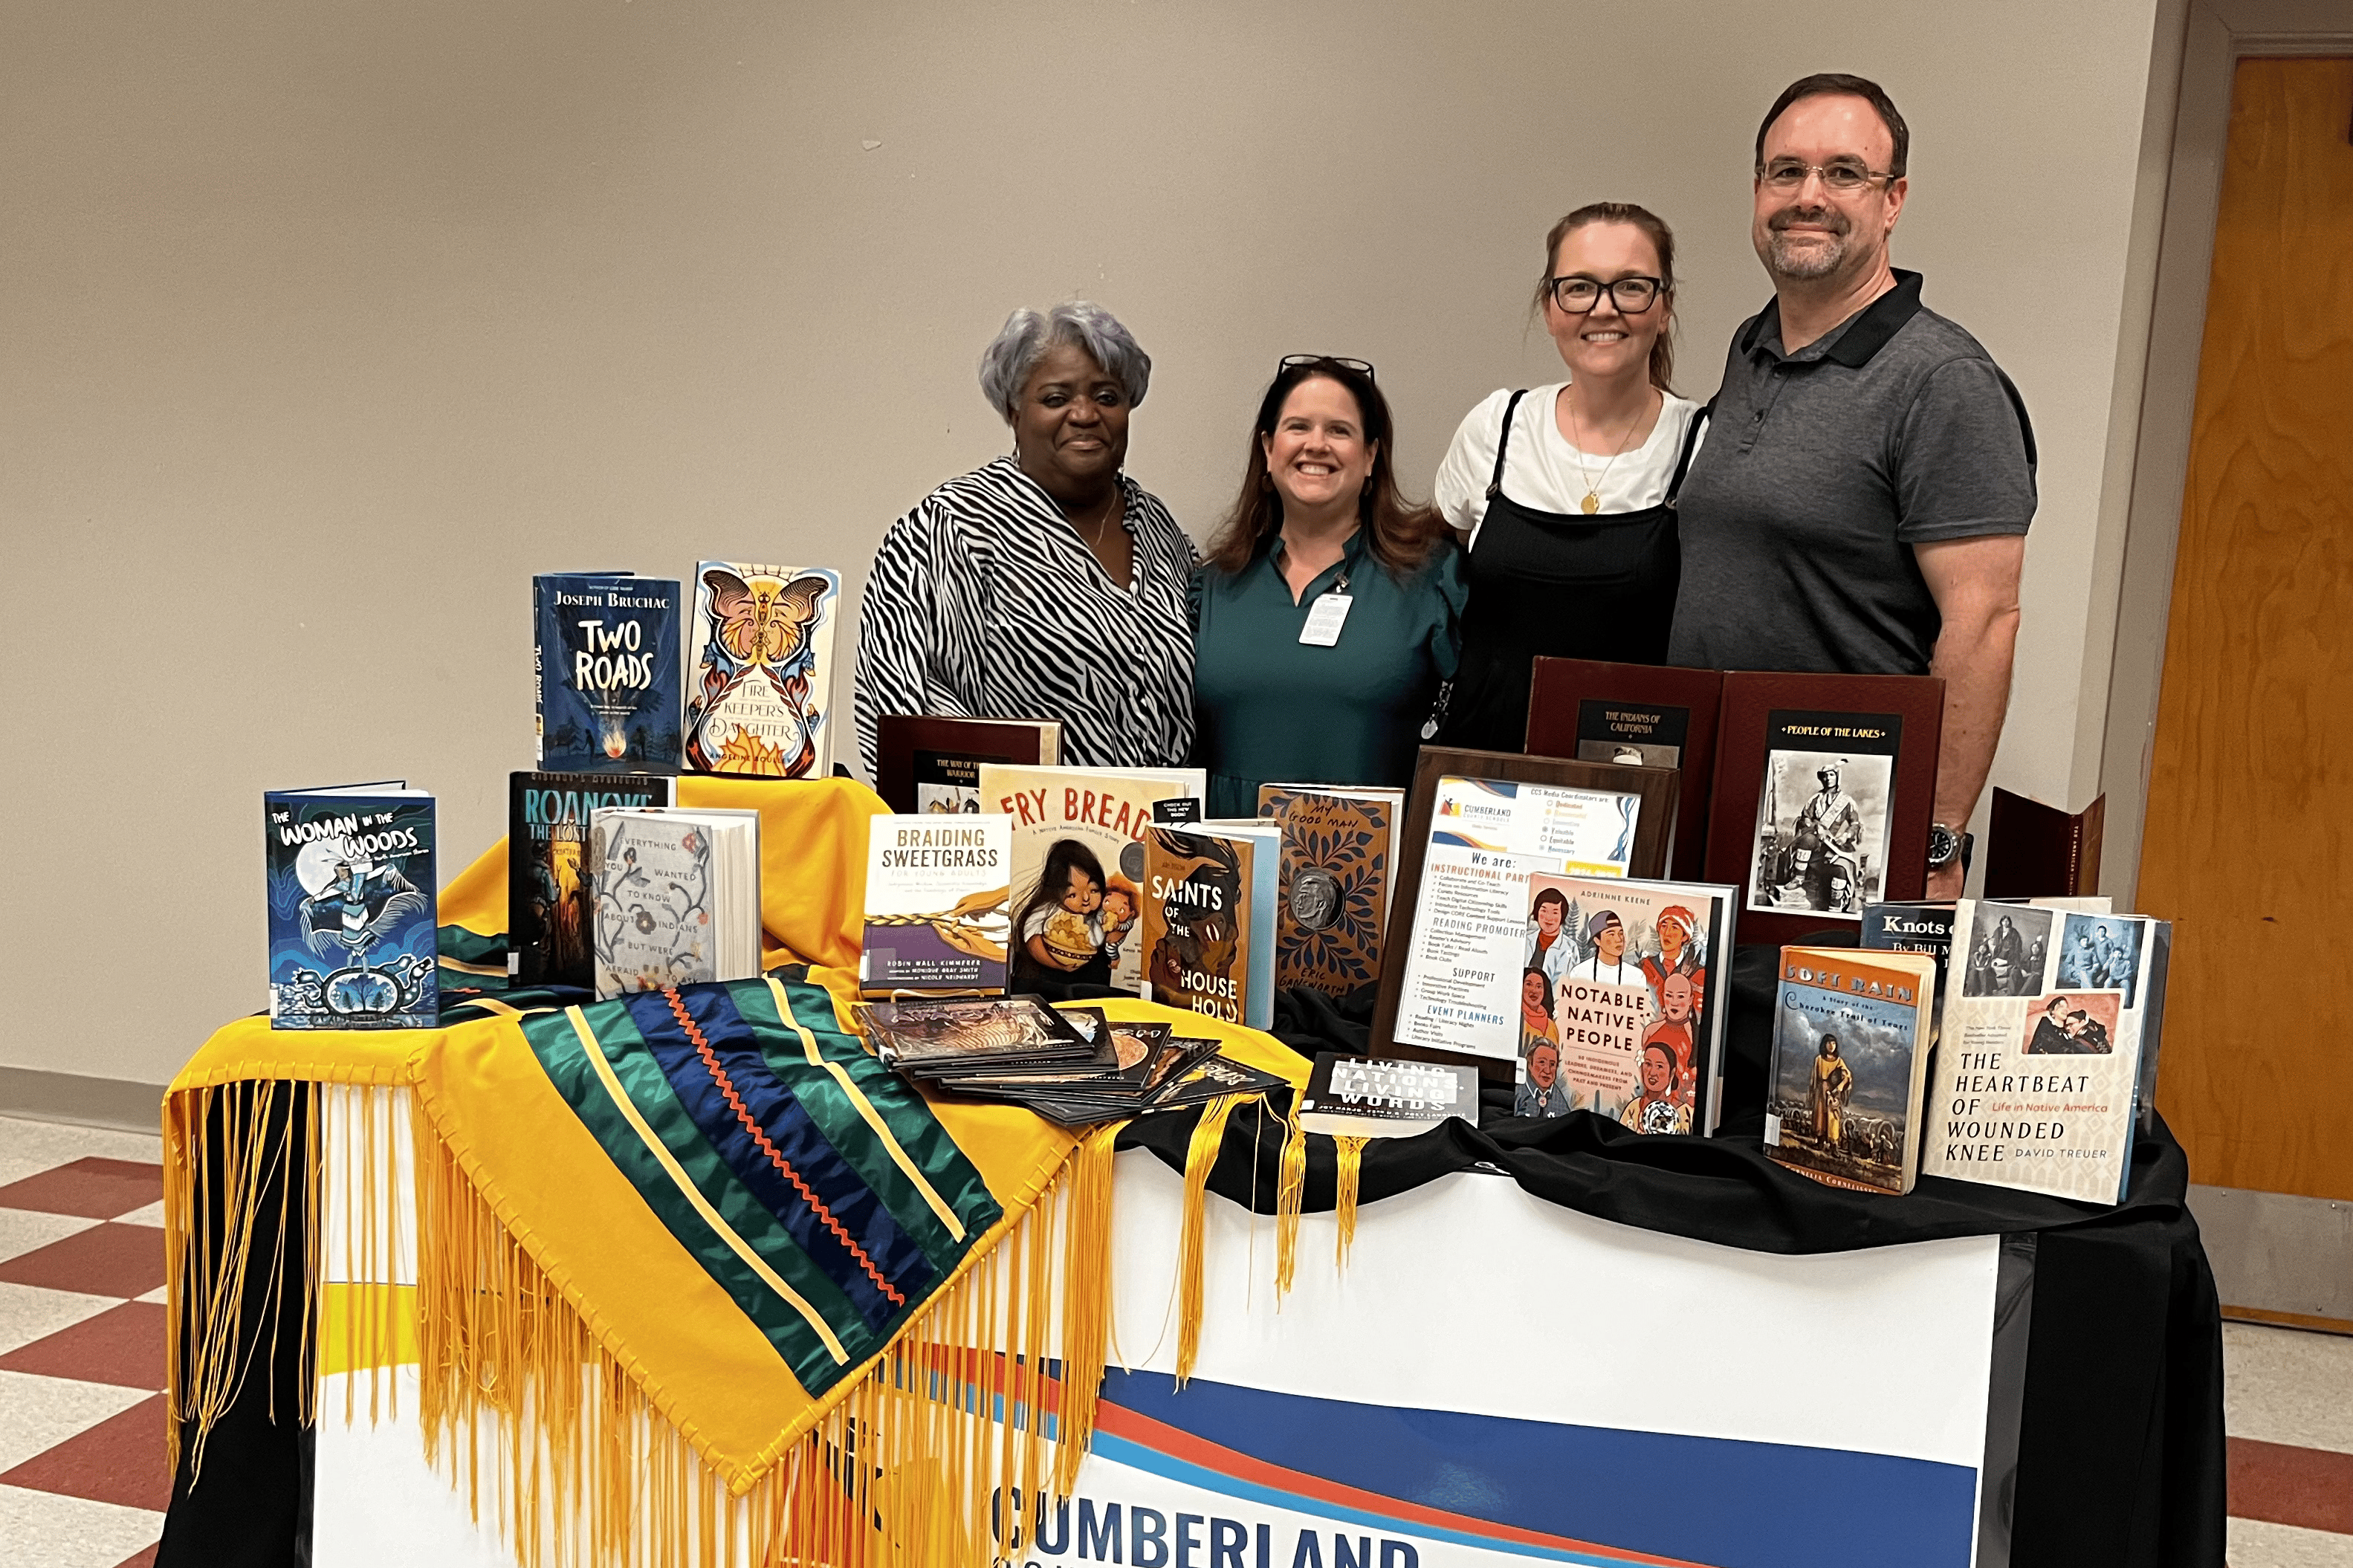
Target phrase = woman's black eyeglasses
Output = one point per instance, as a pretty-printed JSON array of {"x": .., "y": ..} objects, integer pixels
[
  {"x": 1578, "y": 295},
  {"x": 1292, "y": 362}
]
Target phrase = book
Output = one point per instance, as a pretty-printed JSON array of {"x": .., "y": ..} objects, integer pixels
[
  {"x": 2033, "y": 850},
  {"x": 935, "y": 892},
  {"x": 1658, "y": 716},
  {"x": 931, "y": 764},
  {"x": 1209, "y": 920},
  {"x": 1612, "y": 973},
  {"x": 1477, "y": 823},
  {"x": 926, "y": 1035},
  {"x": 677, "y": 897},
  {"x": 1332, "y": 898},
  {"x": 350, "y": 876},
  {"x": 1918, "y": 927},
  {"x": 1364, "y": 1097},
  {"x": 605, "y": 672},
  {"x": 2038, "y": 1077},
  {"x": 759, "y": 697},
  {"x": 1077, "y": 867},
  {"x": 1849, "y": 1061},
  {"x": 551, "y": 911}
]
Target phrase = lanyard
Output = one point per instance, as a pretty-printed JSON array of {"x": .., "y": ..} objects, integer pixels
[{"x": 1329, "y": 614}]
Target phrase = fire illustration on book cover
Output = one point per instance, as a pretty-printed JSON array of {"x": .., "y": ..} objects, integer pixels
[{"x": 755, "y": 707}]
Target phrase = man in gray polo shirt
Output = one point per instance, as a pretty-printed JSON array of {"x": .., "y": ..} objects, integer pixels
[{"x": 1860, "y": 499}]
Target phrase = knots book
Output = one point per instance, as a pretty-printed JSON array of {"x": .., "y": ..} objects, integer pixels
[
  {"x": 935, "y": 892},
  {"x": 604, "y": 670},
  {"x": 759, "y": 696},
  {"x": 350, "y": 874}
]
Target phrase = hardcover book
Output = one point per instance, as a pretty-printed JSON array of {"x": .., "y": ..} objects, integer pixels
[
  {"x": 1077, "y": 867},
  {"x": 1915, "y": 927},
  {"x": 1362, "y": 1097},
  {"x": 1850, "y": 1060},
  {"x": 935, "y": 892},
  {"x": 550, "y": 907},
  {"x": 677, "y": 897},
  {"x": 933, "y": 764},
  {"x": 2033, "y": 850},
  {"x": 2037, "y": 1074},
  {"x": 1208, "y": 926},
  {"x": 1658, "y": 716},
  {"x": 759, "y": 695},
  {"x": 1331, "y": 902},
  {"x": 350, "y": 876},
  {"x": 604, "y": 667}
]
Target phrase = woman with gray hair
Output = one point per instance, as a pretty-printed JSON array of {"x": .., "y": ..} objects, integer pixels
[{"x": 1044, "y": 584}]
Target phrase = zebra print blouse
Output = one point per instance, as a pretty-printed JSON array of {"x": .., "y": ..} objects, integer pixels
[{"x": 984, "y": 603}]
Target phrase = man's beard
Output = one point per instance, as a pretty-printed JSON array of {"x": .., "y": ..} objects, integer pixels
[{"x": 1816, "y": 260}]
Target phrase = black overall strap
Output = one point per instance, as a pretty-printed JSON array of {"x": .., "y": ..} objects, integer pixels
[
  {"x": 1692, "y": 434},
  {"x": 1503, "y": 443}
]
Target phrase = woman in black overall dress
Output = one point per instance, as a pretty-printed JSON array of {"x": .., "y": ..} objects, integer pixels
[{"x": 1567, "y": 493}]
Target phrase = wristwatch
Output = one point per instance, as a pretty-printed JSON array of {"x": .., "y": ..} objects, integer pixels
[{"x": 1945, "y": 846}]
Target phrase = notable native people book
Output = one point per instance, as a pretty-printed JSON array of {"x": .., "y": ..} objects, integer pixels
[
  {"x": 551, "y": 911},
  {"x": 933, "y": 764},
  {"x": 1364, "y": 1097},
  {"x": 1627, "y": 986},
  {"x": 350, "y": 874},
  {"x": 2038, "y": 1070},
  {"x": 1850, "y": 1058},
  {"x": 935, "y": 893},
  {"x": 759, "y": 695},
  {"x": 677, "y": 897},
  {"x": 1077, "y": 867},
  {"x": 606, "y": 666},
  {"x": 1332, "y": 904},
  {"x": 1208, "y": 925}
]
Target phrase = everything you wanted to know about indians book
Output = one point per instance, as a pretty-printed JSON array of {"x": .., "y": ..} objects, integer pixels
[
  {"x": 760, "y": 685},
  {"x": 1077, "y": 867},
  {"x": 604, "y": 664},
  {"x": 678, "y": 896},
  {"x": 1209, "y": 920},
  {"x": 550, "y": 907},
  {"x": 1850, "y": 1055},
  {"x": 2047, "y": 1019},
  {"x": 1332, "y": 905},
  {"x": 935, "y": 892},
  {"x": 350, "y": 874}
]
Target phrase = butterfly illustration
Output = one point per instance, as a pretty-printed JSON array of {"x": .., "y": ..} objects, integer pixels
[{"x": 765, "y": 620}]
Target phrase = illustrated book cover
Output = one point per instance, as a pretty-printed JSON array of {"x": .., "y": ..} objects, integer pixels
[
  {"x": 935, "y": 892},
  {"x": 1332, "y": 901},
  {"x": 1655, "y": 715},
  {"x": 604, "y": 664},
  {"x": 926, "y": 1035},
  {"x": 759, "y": 694},
  {"x": 351, "y": 890},
  {"x": 1209, "y": 920},
  {"x": 933, "y": 764},
  {"x": 677, "y": 897},
  {"x": 1077, "y": 867},
  {"x": 551, "y": 912},
  {"x": 1366, "y": 1096},
  {"x": 1849, "y": 1062}
]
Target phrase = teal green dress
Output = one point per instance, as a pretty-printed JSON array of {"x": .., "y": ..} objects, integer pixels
[{"x": 1269, "y": 709}]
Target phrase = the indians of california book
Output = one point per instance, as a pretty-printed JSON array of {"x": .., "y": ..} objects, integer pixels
[
  {"x": 1332, "y": 909},
  {"x": 605, "y": 666},
  {"x": 550, "y": 907},
  {"x": 935, "y": 892},
  {"x": 1208, "y": 926},
  {"x": 678, "y": 896},
  {"x": 1077, "y": 867},
  {"x": 759, "y": 693},
  {"x": 350, "y": 876},
  {"x": 2036, "y": 1072},
  {"x": 1850, "y": 1059}
]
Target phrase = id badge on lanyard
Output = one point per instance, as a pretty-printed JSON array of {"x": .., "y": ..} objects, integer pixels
[{"x": 1327, "y": 615}]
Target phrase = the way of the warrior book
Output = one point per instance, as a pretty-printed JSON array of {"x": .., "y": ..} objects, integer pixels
[
  {"x": 551, "y": 909},
  {"x": 759, "y": 693},
  {"x": 350, "y": 874},
  {"x": 1332, "y": 907},
  {"x": 935, "y": 891},
  {"x": 933, "y": 764},
  {"x": 677, "y": 897},
  {"x": 1364, "y": 1097},
  {"x": 606, "y": 669},
  {"x": 1208, "y": 927},
  {"x": 1850, "y": 1058}
]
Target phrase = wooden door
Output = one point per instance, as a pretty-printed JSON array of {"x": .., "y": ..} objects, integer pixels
[{"x": 2251, "y": 790}]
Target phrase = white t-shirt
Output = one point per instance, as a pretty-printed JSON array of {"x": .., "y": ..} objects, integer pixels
[{"x": 1544, "y": 471}]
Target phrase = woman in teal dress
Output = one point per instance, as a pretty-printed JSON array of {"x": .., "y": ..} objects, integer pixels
[{"x": 1329, "y": 611}]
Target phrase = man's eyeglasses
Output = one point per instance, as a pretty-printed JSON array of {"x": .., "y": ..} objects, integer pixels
[
  {"x": 1578, "y": 295},
  {"x": 1844, "y": 177},
  {"x": 1294, "y": 361}
]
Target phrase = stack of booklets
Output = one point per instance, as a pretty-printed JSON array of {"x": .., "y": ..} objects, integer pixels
[
  {"x": 1850, "y": 1057},
  {"x": 1073, "y": 1065},
  {"x": 350, "y": 874},
  {"x": 677, "y": 897}
]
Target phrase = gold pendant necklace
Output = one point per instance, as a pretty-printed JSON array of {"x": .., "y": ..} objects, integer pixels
[{"x": 1592, "y": 501}]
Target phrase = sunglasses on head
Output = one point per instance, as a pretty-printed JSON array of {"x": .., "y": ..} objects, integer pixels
[{"x": 1295, "y": 361}]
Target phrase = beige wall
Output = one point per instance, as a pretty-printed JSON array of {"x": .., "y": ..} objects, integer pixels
[{"x": 322, "y": 326}]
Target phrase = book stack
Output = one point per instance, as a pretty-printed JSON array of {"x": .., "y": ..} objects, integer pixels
[{"x": 677, "y": 897}]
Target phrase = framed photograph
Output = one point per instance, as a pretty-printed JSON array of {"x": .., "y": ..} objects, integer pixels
[
  {"x": 1477, "y": 823},
  {"x": 1649, "y": 715},
  {"x": 1824, "y": 788}
]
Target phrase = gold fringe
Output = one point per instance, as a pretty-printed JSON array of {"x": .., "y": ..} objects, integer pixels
[
  {"x": 1351, "y": 1151},
  {"x": 1290, "y": 1198},
  {"x": 1200, "y": 1158}
]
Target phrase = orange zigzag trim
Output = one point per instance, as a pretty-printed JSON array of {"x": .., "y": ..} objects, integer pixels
[{"x": 775, "y": 1157}]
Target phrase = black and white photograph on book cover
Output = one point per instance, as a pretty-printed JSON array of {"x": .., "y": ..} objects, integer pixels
[
  {"x": 2009, "y": 952},
  {"x": 1821, "y": 817},
  {"x": 2099, "y": 951}
]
